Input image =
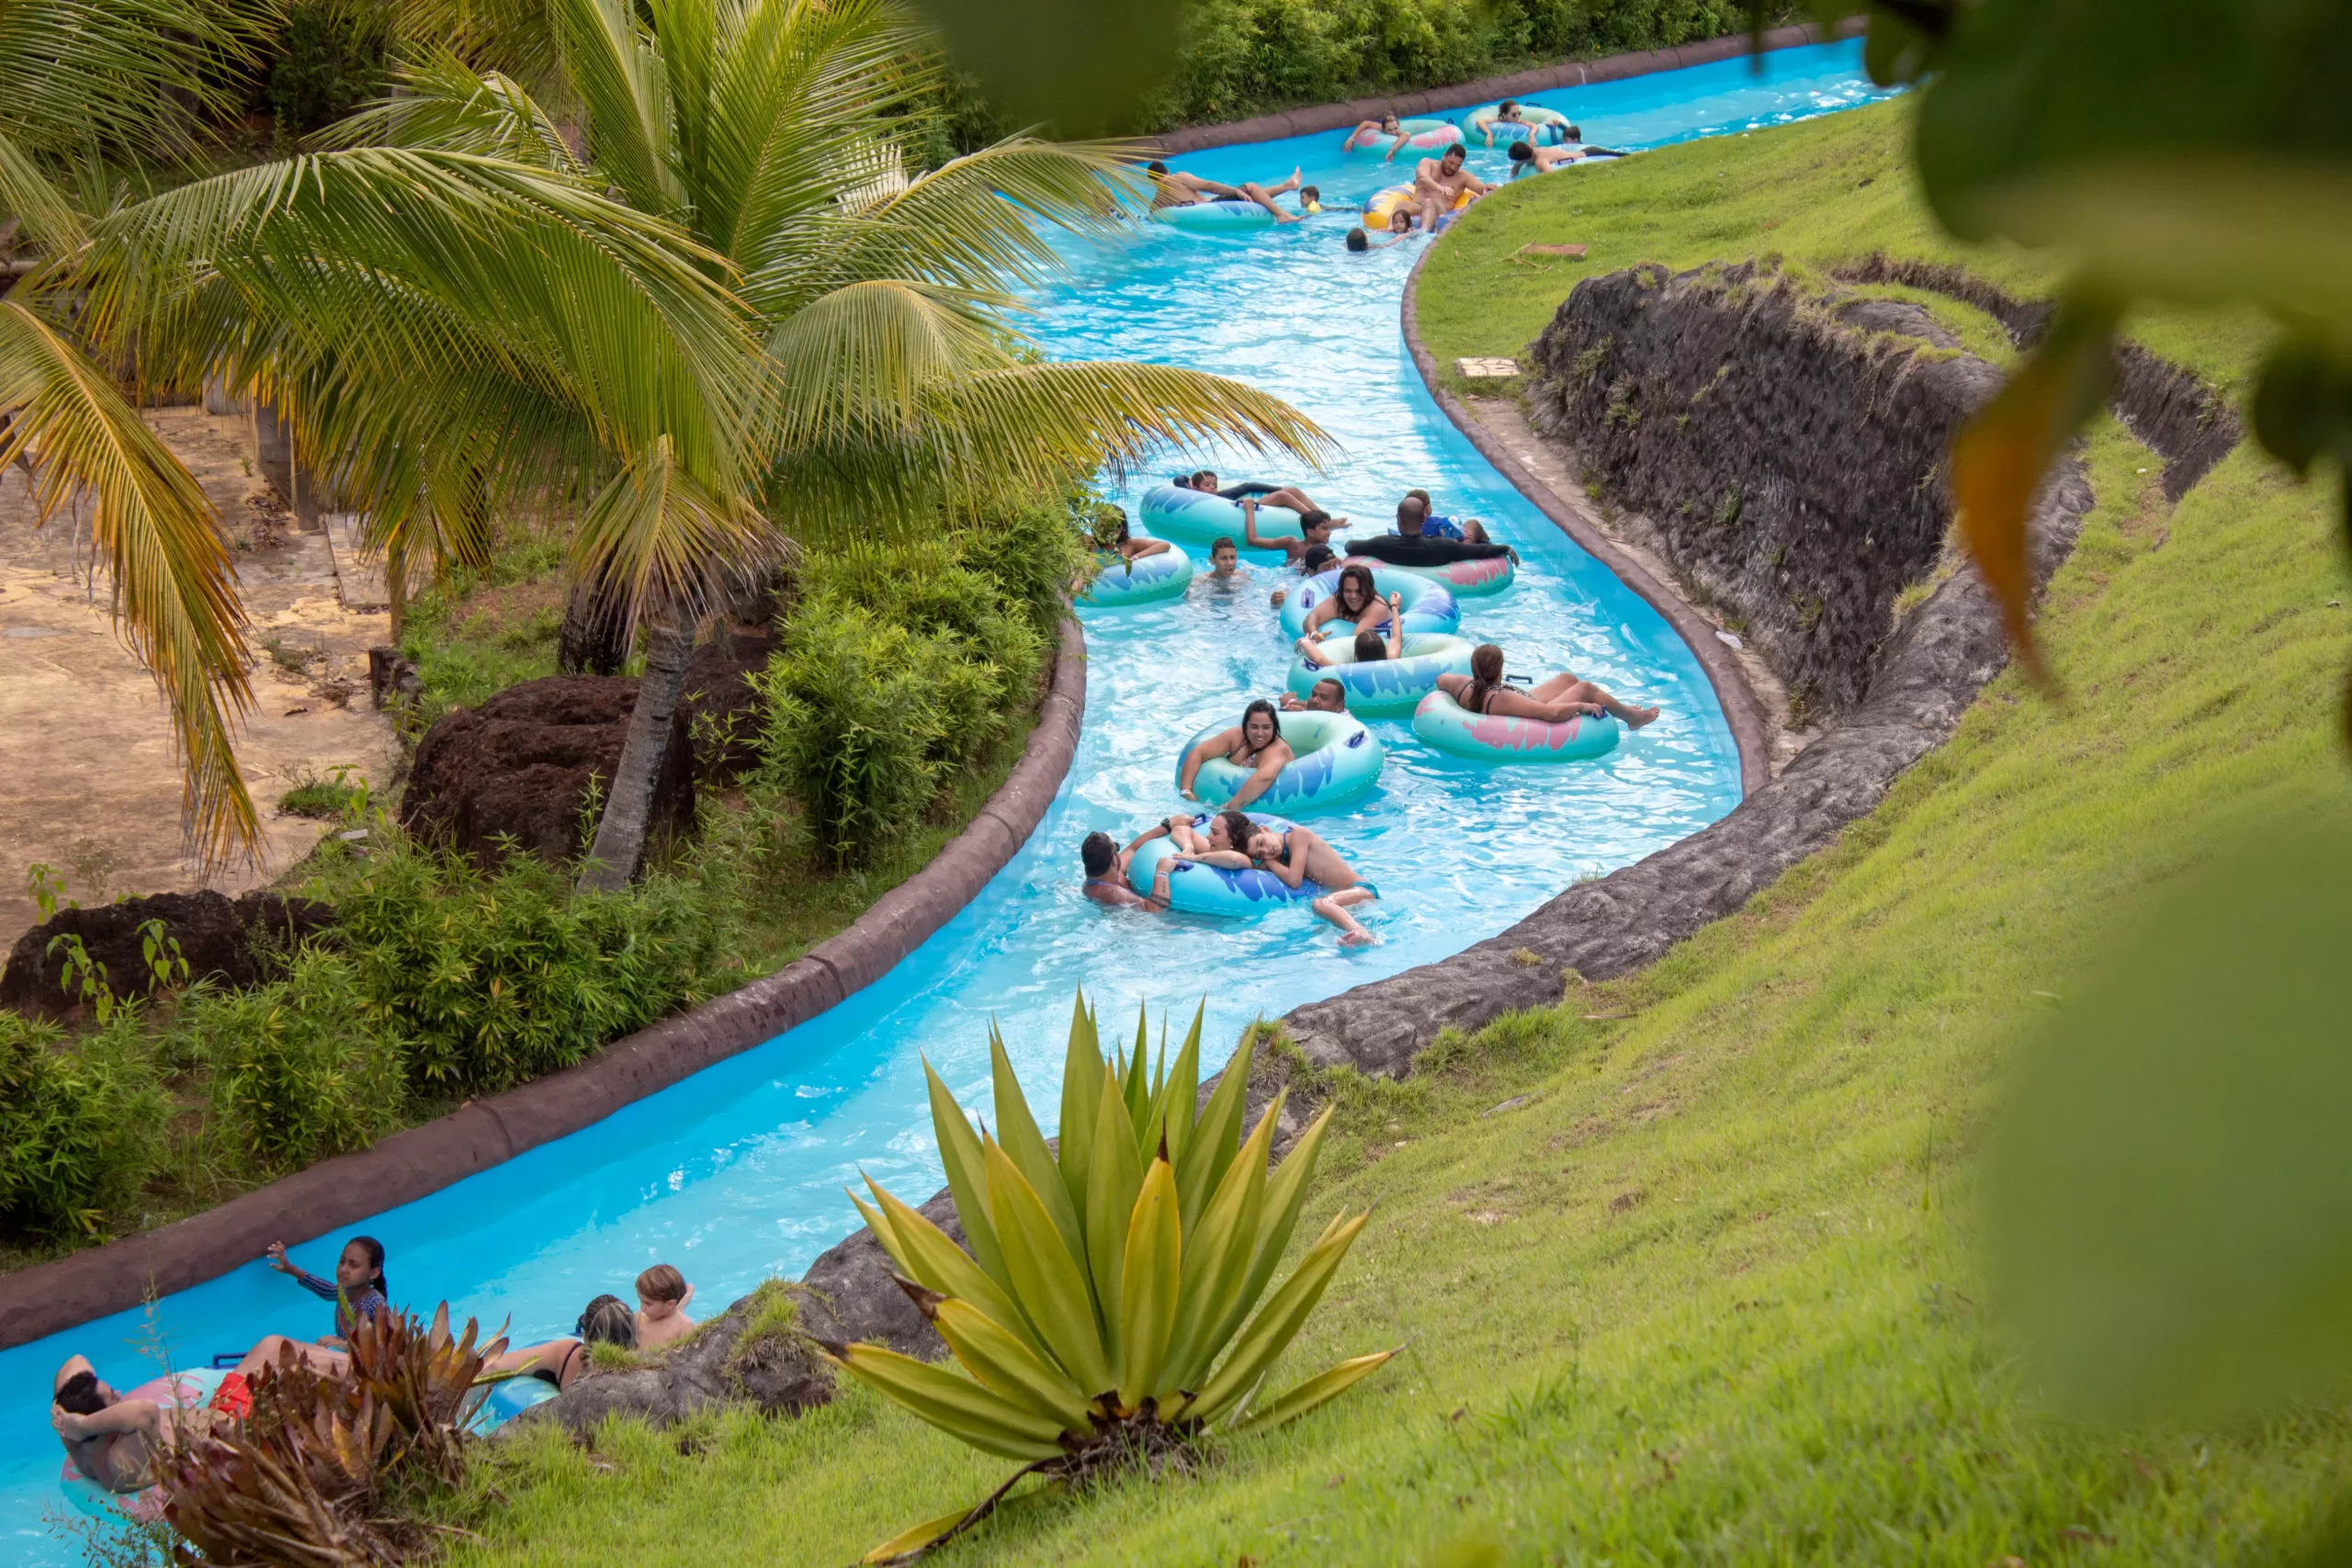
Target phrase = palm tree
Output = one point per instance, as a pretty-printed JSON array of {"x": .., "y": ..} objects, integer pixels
[
  {"x": 774, "y": 132},
  {"x": 707, "y": 316}
]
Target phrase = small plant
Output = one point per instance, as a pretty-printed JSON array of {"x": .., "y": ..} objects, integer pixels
[
  {"x": 166, "y": 966},
  {"x": 83, "y": 977},
  {"x": 93, "y": 867},
  {"x": 42, "y": 886},
  {"x": 333, "y": 796},
  {"x": 287, "y": 656},
  {"x": 1101, "y": 1311}
]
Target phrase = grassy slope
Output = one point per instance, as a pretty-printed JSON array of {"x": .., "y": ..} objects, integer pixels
[{"x": 1708, "y": 1293}]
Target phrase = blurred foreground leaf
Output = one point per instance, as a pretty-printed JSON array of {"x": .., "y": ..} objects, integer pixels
[
  {"x": 1078, "y": 67},
  {"x": 2173, "y": 1195}
]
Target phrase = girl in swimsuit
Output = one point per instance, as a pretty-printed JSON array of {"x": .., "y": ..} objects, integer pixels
[
  {"x": 1355, "y": 600},
  {"x": 1561, "y": 697}
]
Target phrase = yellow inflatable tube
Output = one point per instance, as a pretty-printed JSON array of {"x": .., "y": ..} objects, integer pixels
[{"x": 1378, "y": 210}]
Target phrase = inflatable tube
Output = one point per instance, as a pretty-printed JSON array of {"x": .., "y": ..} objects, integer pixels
[
  {"x": 181, "y": 1391},
  {"x": 1429, "y": 606},
  {"x": 1536, "y": 118},
  {"x": 1214, "y": 217},
  {"x": 1421, "y": 134},
  {"x": 1388, "y": 688},
  {"x": 1197, "y": 889},
  {"x": 1463, "y": 579},
  {"x": 509, "y": 1397},
  {"x": 1381, "y": 208},
  {"x": 1448, "y": 726},
  {"x": 1337, "y": 761},
  {"x": 1145, "y": 580},
  {"x": 1171, "y": 512}
]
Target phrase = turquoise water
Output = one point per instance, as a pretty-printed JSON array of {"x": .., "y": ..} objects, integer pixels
[{"x": 737, "y": 1173}]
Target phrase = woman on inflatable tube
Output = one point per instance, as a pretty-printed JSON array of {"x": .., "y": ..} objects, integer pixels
[
  {"x": 1302, "y": 763},
  {"x": 1362, "y": 598},
  {"x": 1554, "y": 721},
  {"x": 1511, "y": 120},
  {"x": 1389, "y": 136}
]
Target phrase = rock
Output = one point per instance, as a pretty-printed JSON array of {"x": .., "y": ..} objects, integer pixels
[
  {"x": 720, "y": 712},
  {"x": 1901, "y": 316},
  {"x": 520, "y": 765},
  {"x": 392, "y": 680},
  {"x": 852, "y": 1296},
  {"x": 756, "y": 1353},
  {"x": 216, "y": 937}
]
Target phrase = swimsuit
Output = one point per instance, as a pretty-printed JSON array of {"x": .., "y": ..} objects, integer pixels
[
  {"x": 1440, "y": 528},
  {"x": 348, "y": 1315}
]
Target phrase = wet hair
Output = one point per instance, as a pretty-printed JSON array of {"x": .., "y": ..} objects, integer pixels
[
  {"x": 1358, "y": 240},
  {"x": 1313, "y": 517},
  {"x": 1338, "y": 690},
  {"x": 1310, "y": 193},
  {"x": 1205, "y": 479},
  {"x": 1316, "y": 559},
  {"x": 1389, "y": 115},
  {"x": 1486, "y": 675},
  {"x": 662, "y": 1284},
  {"x": 1524, "y": 155},
  {"x": 1412, "y": 515},
  {"x": 1574, "y": 131},
  {"x": 1098, "y": 855},
  {"x": 608, "y": 1321},
  {"x": 1423, "y": 497},
  {"x": 1224, "y": 542},
  {"x": 375, "y": 1251},
  {"x": 1238, "y": 830},
  {"x": 1506, "y": 105},
  {"x": 1456, "y": 151},
  {"x": 1400, "y": 220},
  {"x": 1355, "y": 571},
  {"x": 1260, "y": 705},
  {"x": 79, "y": 1393},
  {"x": 1157, "y": 167},
  {"x": 1371, "y": 647}
]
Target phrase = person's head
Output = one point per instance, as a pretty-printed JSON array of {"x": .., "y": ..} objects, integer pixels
[
  {"x": 83, "y": 1394},
  {"x": 1358, "y": 240},
  {"x": 1522, "y": 157},
  {"x": 1223, "y": 554},
  {"x": 1260, "y": 727},
  {"x": 1411, "y": 514},
  {"x": 1098, "y": 855},
  {"x": 1572, "y": 132},
  {"x": 608, "y": 1321},
  {"x": 1486, "y": 664},
  {"x": 1390, "y": 123},
  {"x": 1510, "y": 110},
  {"x": 1315, "y": 559},
  {"x": 1329, "y": 696},
  {"x": 1371, "y": 647},
  {"x": 1314, "y": 527},
  {"x": 1157, "y": 167},
  {"x": 1262, "y": 844},
  {"x": 1205, "y": 480},
  {"x": 1400, "y": 220},
  {"x": 1110, "y": 525},
  {"x": 1453, "y": 158},
  {"x": 1355, "y": 592},
  {"x": 660, "y": 1291},
  {"x": 361, "y": 1267},
  {"x": 1310, "y": 195},
  {"x": 1229, "y": 830},
  {"x": 1422, "y": 496}
]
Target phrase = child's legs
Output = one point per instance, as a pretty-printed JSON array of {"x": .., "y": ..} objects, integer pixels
[
  {"x": 1334, "y": 906},
  {"x": 1290, "y": 498}
]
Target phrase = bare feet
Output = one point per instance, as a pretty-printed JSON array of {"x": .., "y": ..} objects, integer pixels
[
  {"x": 1637, "y": 717},
  {"x": 1358, "y": 937},
  {"x": 1291, "y": 183}
]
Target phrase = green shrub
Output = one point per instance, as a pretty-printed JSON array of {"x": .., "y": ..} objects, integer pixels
[
  {"x": 78, "y": 1127},
  {"x": 300, "y": 1068},
  {"x": 490, "y": 978},
  {"x": 332, "y": 58}
]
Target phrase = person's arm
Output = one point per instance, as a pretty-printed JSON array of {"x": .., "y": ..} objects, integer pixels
[
  {"x": 1221, "y": 739},
  {"x": 1250, "y": 525},
  {"x": 1403, "y": 136},
  {"x": 1138, "y": 549},
  {"x": 1261, "y": 779},
  {"x": 1290, "y": 702},
  {"x": 1395, "y": 627},
  {"x": 1290, "y": 874},
  {"x": 123, "y": 1415},
  {"x": 1232, "y": 860}
]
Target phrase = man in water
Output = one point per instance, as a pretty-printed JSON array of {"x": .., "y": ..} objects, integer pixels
[
  {"x": 1106, "y": 868},
  {"x": 1177, "y": 188},
  {"x": 1327, "y": 695},
  {"x": 1106, "y": 865},
  {"x": 1413, "y": 544},
  {"x": 1255, "y": 743},
  {"x": 1440, "y": 182}
]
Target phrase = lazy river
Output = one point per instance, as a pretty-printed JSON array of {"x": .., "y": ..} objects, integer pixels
[{"x": 736, "y": 1174}]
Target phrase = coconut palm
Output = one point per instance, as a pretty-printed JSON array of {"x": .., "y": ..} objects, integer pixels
[
  {"x": 775, "y": 132},
  {"x": 706, "y": 314}
]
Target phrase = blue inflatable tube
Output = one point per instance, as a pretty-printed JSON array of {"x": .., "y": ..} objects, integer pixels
[
  {"x": 1388, "y": 688},
  {"x": 1200, "y": 519},
  {"x": 1448, "y": 726},
  {"x": 1197, "y": 889},
  {"x": 1430, "y": 606},
  {"x": 1145, "y": 580},
  {"x": 1336, "y": 762},
  {"x": 1214, "y": 217}
]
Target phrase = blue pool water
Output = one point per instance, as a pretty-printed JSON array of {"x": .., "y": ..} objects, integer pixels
[{"x": 737, "y": 1173}]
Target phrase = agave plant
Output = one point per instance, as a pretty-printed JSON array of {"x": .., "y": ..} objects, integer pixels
[{"x": 1101, "y": 1311}]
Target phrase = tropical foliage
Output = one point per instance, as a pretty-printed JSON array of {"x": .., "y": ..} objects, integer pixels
[{"x": 1101, "y": 1311}]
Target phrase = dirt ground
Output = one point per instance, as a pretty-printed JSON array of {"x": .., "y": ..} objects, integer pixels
[{"x": 88, "y": 780}]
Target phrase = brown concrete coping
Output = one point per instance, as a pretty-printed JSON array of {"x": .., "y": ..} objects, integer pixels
[
  {"x": 407, "y": 1165},
  {"x": 1742, "y": 711},
  {"x": 1315, "y": 119}
]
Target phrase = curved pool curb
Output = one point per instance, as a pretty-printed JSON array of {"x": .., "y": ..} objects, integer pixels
[
  {"x": 414, "y": 1163},
  {"x": 1743, "y": 712},
  {"x": 1314, "y": 119}
]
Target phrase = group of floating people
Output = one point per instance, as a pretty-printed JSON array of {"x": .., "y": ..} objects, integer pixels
[
  {"x": 116, "y": 1442},
  {"x": 1540, "y": 140},
  {"x": 1364, "y": 647}
]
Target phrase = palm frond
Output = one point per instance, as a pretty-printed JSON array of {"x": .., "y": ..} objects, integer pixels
[
  {"x": 618, "y": 77},
  {"x": 665, "y": 540},
  {"x": 141, "y": 74},
  {"x": 444, "y": 102},
  {"x": 175, "y": 597}
]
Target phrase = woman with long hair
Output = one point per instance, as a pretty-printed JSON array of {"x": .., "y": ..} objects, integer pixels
[
  {"x": 1553, "y": 700},
  {"x": 1354, "y": 598}
]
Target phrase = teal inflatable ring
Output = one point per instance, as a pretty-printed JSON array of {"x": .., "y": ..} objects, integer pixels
[
  {"x": 1214, "y": 217},
  {"x": 1147, "y": 581},
  {"x": 1537, "y": 119},
  {"x": 1335, "y": 763},
  {"x": 1422, "y": 136},
  {"x": 1197, "y": 889},
  {"x": 1201, "y": 519},
  {"x": 1388, "y": 688},
  {"x": 1448, "y": 726},
  {"x": 1429, "y": 606},
  {"x": 1463, "y": 579}
]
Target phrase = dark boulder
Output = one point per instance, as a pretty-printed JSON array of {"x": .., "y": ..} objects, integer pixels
[
  {"x": 756, "y": 1353},
  {"x": 852, "y": 1296},
  {"x": 720, "y": 712},
  {"x": 219, "y": 938},
  {"x": 521, "y": 765}
]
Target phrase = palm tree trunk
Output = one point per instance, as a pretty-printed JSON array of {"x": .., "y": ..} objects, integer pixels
[
  {"x": 628, "y": 808},
  {"x": 594, "y": 639}
]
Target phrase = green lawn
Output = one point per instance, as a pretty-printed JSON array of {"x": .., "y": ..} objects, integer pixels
[{"x": 1708, "y": 1290}]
